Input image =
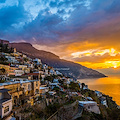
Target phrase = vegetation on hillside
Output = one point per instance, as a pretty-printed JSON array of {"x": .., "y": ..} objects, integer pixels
[{"x": 5, "y": 48}]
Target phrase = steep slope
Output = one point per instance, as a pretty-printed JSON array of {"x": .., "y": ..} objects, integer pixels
[
  {"x": 28, "y": 49},
  {"x": 68, "y": 68}
]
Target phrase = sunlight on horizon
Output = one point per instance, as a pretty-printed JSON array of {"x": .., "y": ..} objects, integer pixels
[
  {"x": 108, "y": 85},
  {"x": 107, "y": 58}
]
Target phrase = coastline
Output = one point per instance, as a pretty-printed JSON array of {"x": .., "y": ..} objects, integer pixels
[{"x": 107, "y": 85}]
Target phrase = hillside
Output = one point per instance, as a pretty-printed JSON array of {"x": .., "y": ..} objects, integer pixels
[{"x": 66, "y": 67}]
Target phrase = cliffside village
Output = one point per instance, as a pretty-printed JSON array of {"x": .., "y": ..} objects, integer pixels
[{"x": 24, "y": 80}]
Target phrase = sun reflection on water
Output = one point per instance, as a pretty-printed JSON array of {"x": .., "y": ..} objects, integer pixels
[{"x": 108, "y": 85}]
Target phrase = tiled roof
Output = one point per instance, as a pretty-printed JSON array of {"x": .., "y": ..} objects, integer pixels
[{"x": 32, "y": 74}]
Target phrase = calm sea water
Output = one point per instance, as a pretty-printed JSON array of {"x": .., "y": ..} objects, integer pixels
[{"x": 108, "y": 85}]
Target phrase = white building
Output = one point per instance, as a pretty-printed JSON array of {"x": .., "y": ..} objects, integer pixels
[
  {"x": 52, "y": 72},
  {"x": 46, "y": 71},
  {"x": 37, "y": 61},
  {"x": 11, "y": 59},
  {"x": 43, "y": 90},
  {"x": 43, "y": 77},
  {"x": 56, "y": 81},
  {"x": 19, "y": 72},
  {"x": 85, "y": 87},
  {"x": 22, "y": 67},
  {"x": 89, "y": 98},
  {"x": 90, "y": 106},
  {"x": 31, "y": 65},
  {"x": 103, "y": 101},
  {"x": 52, "y": 85},
  {"x": 5, "y": 102},
  {"x": 58, "y": 73},
  {"x": 52, "y": 92},
  {"x": 45, "y": 66},
  {"x": 26, "y": 85},
  {"x": 99, "y": 94},
  {"x": 41, "y": 72},
  {"x": 24, "y": 55},
  {"x": 79, "y": 84},
  {"x": 68, "y": 80}
]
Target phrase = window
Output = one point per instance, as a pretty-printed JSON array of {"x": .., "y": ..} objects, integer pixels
[
  {"x": 37, "y": 91},
  {"x": 6, "y": 109},
  {"x": 29, "y": 87},
  {"x": 88, "y": 107}
]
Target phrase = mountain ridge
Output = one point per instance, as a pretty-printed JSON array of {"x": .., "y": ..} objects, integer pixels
[{"x": 68, "y": 68}]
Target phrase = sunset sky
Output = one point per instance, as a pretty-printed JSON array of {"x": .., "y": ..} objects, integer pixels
[{"x": 83, "y": 31}]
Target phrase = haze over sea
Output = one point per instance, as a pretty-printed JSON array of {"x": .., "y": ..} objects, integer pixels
[{"x": 109, "y": 85}]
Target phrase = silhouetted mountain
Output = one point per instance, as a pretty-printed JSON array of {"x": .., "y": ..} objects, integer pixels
[{"x": 66, "y": 67}]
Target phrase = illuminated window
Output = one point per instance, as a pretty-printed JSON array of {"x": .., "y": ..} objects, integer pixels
[{"x": 6, "y": 109}]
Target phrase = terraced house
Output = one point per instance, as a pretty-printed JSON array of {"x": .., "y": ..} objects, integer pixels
[
  {"x": 20, "y": 90},
  {"x": 5, "y": 102}
]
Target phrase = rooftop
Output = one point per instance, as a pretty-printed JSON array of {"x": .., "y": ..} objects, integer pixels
[
  {"x": 16, "y": 82},
  {"x": 32, "y": 74},
  {"x": 4, "y": 90},
  {"x": 87, "y": 102},
  {"x": 42, "y": 88},
  {"x": 4, "y": 100}
]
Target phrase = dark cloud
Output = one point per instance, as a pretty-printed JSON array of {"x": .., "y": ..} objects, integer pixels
[
  {"x": 56, "y": 21},
  {"x": 2, "y": 1},
  {"x": 64, "y": 26},
  {"x": 41, "y": 29},
  {"x": 53, "y": 4},
  {"x": 11, "y": 17}
]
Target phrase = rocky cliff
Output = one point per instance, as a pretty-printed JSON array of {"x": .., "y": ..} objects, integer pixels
[{"x": 66, "y": 67}]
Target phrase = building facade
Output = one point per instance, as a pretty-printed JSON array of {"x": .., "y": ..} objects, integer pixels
[{"x": 5, "y": 102}]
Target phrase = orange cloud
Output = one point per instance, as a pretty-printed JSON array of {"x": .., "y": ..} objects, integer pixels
[
  {"x": 97, "y": 58},
  {"x": 96, "y": 52},
  {"x": 95, "y": 46},
  {"x": 107, "y": 64}
]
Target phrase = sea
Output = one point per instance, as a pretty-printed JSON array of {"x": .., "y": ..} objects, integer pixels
[{"x": 108, "y": 85}]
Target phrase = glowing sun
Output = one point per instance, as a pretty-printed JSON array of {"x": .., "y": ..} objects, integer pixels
[{"x": 115, "y": 66}]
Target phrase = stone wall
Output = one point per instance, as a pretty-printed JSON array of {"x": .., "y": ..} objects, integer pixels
[{"x": 66, "y": 112}]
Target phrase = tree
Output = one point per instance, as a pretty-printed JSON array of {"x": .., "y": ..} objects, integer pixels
[
  {"x": 49, "y": 78},
  {"x": 25, "y": 59},
  {"x": 61, "y": 81},
  {"x": 36, "y": 67},
  {"x": 83, "y": 85},
  {"x": 57, "y": 89},
  {"x": 5, "y": 48},
  {"x": 11, "y": 50},
  {"x": 2, "y": 70},
  {"x": 3, "y": 59},
  {"x": 74, "y": 86},
  {"x": 40, "y": 77}
]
